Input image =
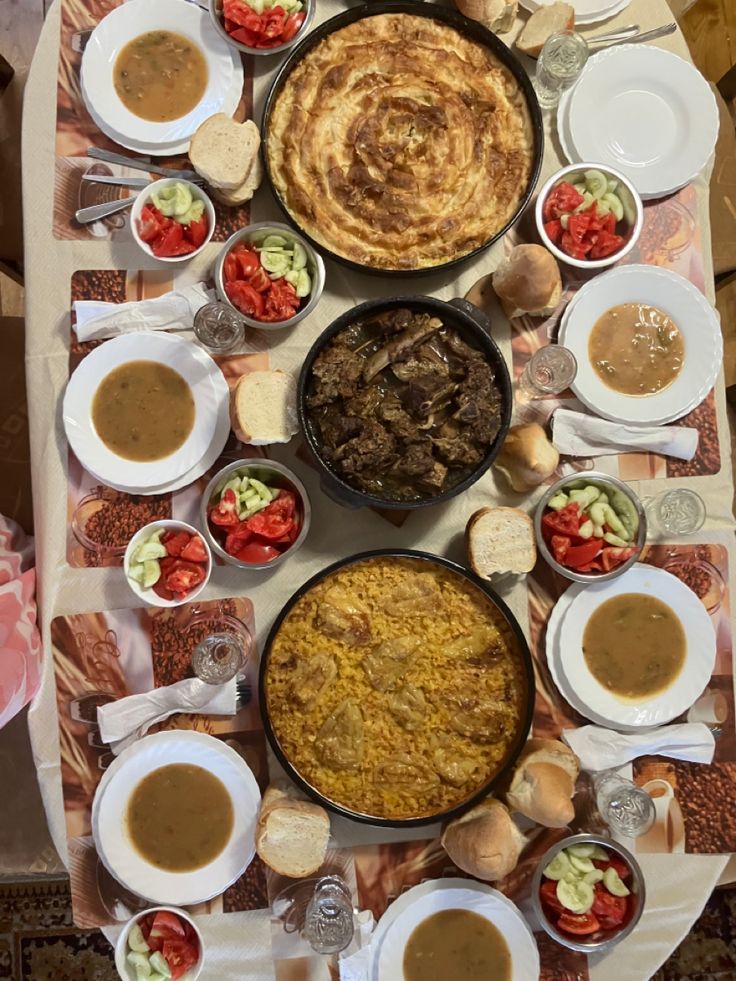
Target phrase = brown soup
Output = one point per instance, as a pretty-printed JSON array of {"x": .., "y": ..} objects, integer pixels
[
  {"x": 634, "y": 645},
  {"x": 143, "y": 410},
  {"x": 180, "y": 817},
  {"x": 636, "y": 349},
  {"x": 160, "y": 76},
  {"x": 456, "y": 945}
]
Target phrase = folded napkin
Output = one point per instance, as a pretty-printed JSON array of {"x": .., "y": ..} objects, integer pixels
[
  {"x": 580, "y": 434},
  {"x": 602, "y": 749},
  {"x": 124, "y": 721},
  {"x": 355, "y": 965},
  {"x": 175, "y": 310}
]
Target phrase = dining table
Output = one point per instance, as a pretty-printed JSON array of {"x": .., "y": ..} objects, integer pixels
[{"x": 76, "y": 592}]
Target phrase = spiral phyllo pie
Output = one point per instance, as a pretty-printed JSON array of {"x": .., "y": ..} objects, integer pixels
[{"x": 400, "y": 143}]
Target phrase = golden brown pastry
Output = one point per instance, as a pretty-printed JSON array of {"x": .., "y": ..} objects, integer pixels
[{"x": 400, "y": 143}]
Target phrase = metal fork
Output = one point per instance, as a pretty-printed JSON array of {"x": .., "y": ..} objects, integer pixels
[
  {"x": 243, "y": 692},
  {"x": 636, "y": 38},
  {"x": 143, "y": 163}
]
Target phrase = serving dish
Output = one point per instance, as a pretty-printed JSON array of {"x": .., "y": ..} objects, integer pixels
[
  {"x": 125, "y": 969},
  {"x": 683, "y": 690},
  {"x": 275, "y": 475},
  {"x": 215, "y": 7},
  {"x": 194, "y": 365},
  {"x": 149, "y": 595},
  {"x": 473, "y": 326},
  {"x": 677, "y": 298},
  {"x": 255, "y": 235},
  {"x": 646, "y": 112},
  {"x": 439, "y": 19},
  {"x": 625, "y": 190},
  {"x": 146, "y": 198},
  {"x": 410, "y": 567},
  {"x": 603, "y": 940},
  {"x": 416, "y": 904},
  {"x": 576, "y": 481},
  {"x": 111, "y": 837},
  {"x": 127, "y": 22}
]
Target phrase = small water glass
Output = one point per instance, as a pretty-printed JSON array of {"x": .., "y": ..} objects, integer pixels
[
  {"x": 218, "y": 328},
  {"x": 221, "y": 645},
  {"x": 677, "y": 512},
  {"x": 560, "y": 63},
  {"x": 549, "y": 371},
  {"x": 329, "y": 925},
  {"x": 626, "y": 808}
]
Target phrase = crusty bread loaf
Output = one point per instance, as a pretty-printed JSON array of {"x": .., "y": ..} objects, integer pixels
[
  {"x": 484, "y": 841},
  {"x": 527, "y": 457},
  {"x": 544, "y": 22},
  {"x": 528, "y": 282},
  {"x": 543, "y": 783},
  {"x": 291, "y": 834},
  {"x": 223, "y": 151},
  {"x": 497, "y": 15},
  {"x": 500, "y": 540},
  {"x": 246, "y": 190},
  {"x": 264, "y": 408}
]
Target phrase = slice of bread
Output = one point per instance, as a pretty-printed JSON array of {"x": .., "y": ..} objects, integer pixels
[
  {"x": 264, "y": 408},
  {"x": 246, "y": 190},
  {"x": 544, "y": 22},
  {"x": 223, "y": 151},
  {"x": 292, "y": 837},
  {"x": 500, "y": 540}
]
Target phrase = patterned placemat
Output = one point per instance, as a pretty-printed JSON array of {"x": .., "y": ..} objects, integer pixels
[{"x": 100, "y": 657}]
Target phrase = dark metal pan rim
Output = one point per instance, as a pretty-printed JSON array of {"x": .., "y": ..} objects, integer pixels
[
  {"x": 472, "y": 29},
  {"x": 521, "y": 734}
]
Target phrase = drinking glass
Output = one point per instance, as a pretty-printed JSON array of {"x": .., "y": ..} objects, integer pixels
[
  {"x": 328, "y": 925},
  {"x": 218, "y": 328},
  {"x": 678, "y": 512},
  {"x": 549, "y": 371},
  {"x": 626, "y": 808},
  {"x": 221, "y": 645},
  {"x": 560, "y": 63}
]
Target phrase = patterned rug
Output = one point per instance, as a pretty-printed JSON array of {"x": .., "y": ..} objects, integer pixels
[{"x": 38, "y": 941}]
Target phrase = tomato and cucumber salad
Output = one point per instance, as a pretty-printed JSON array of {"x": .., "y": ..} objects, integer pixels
[
  {"x": 268, "y": 281},
  {"x": 586, "y": 889},
  {"x": 173, "y": 222},
  {"x": 589, "y": 218},
  {"x": 252, "y": 521},
  {"x": 162, "y": 945},
  {"x": 263, "y": 23},
  {"x": 171, "y": 561}
]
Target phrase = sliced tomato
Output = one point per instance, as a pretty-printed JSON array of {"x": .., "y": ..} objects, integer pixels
[
  {"x": 248, "y": 261},
  {"x": 579, "y": 924},
  {"x": 196, "y": 231},
  {"x": 145, "y": 923},
  {"x": 274, "y": 21},
  {"x": 180, "y": 955},
  {"x": 609, "y": 223},
  {"x": 237, "y": 537},
  {"x": 594, "y": 565},
  {"x": 613, "y": 556},
  {"x": 260, "y": 280},
  {"x": 149, "y": 223},
  {"x": 185, "y": 577},
  {"x": 272, "y": 527},
  {"x": 257, "y": 553},
  {"x": 171, "y": 236},
  {"x": 225, "y": 512},
  {"x": 245, "y": 298},
  {"x": 616, "y": 863},
  {"x": 174, "y": 541},
  {"x": 606, "y": 245},
  {"x": 561, "y": 200},
  {"x": 566, "y": 521},
  {"x": 575, "y": 250},
  {"x": 161, "y": 589},
  {"x": 578, "y": 225},
  {"x": 284, "y": 505},
  {"x": 609, "y": 909},
  {"x": 548, "y": 895},
  {"x": 554, "y": 229},
  {"x": 560, "y": 545},
  {"x": 167, "y": 925},
  {"x": 292, "y": 25},
  {"x": 578, "y": 555},
  {"x": 230, "y": 268},
  {"x": 194, "y": 550}
]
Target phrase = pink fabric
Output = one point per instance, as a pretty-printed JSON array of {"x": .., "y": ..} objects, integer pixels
[{"x": 20, "y": 642}]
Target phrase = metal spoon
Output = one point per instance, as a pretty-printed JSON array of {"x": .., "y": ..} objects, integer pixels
[{"x": 97, "y": 211}]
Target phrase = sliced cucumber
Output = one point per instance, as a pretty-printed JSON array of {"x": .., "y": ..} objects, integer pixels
[
  {"x": 626, "y": 510},
  {"x": 136, "y": 572},
  {"x": 292, "y": 276},
  {"x": 275, "y": 263},
  {"x": 582, "y": 851},
  {"x": 159, "y": 977},
  {"x": 564, "y": 221},
  {"x": 558, "y": 501},
  {"x": 159, "y": 964},
  {"x": 581, "y": 864},
  {"x": 274, "y": 242},
  {"x": 300, "y": 256},
  {"x": 136, "y": 940},
  {"x": 140, "y": 963},
  {"x": 614, "y": 205},
  {"x": 150, "y": 550},
  {"x": 558, "y": 867},
  {"x": 629, "y": 208},
  {"x": 614, "y": 540},
  {"x": 585, "y": 496},
  {"x": 596, "y": 183},
  {"x": 612, "y": 185},
  {"x": 265, "y": 493},
  {"x": 614, "y": 883},
  {"x": 151, "y": 573},
  {"x": 585, "y": 531},
  {"x": 304, "y": 284},
  {"x": 588, "y": 199},
  {"x": 603, "y": 207},
  {"x": 592, "y": 877},
  {"x": 600, "y": 854},
  {"x": 576, "y": 896}
]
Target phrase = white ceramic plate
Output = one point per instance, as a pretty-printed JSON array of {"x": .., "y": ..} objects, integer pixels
[
  {"x": 552, "y": 647},
  {"x": 586, "y": 11},
  {"x": 699, "y": 658},
  {"x": 647, "y": 113},
  {"x": 117, "y": 852},
  {"x": 563, "y": 128},
  {"x": 127, "y": 22},
  {"x": 690, "y": 311},
  {"x": 192, "y": 363},
  {"x": 414, "y": 906}
]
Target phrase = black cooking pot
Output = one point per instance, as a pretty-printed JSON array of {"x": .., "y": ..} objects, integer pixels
[
  {"x": 474, "y": 326},
  {"x": 513, "y": 751},
  {"x": 464, "y": 25}
]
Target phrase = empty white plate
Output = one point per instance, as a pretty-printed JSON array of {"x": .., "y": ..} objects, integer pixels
[
  {"x": 586, "y": 11},
  {"x": 413, "y": 907},
  {"x": 127, "y": 22},
  {"x": 116, "y": 850},
  {"x": 699, "y": 656},
  {"x": 196, "y": 368},
  {"x": 689, "y": 310},
  {"x": 647, "y": 113}
]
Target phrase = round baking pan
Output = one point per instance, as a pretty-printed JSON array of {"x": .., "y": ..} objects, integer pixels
[
  {"x": 471, "y": 29},
  {"x": 513, "y": 751},
  {"x": 473, "y": 325}
]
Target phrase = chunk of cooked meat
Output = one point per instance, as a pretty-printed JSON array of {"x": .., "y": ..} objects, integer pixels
[
  {"x": 396, "y": 419},
  {"x": 405, "y": 771},
  {"x": 478, "y": 718},
  {"x": 339, "y": 742},
  {"x": 434, "y": 479},
  {"x": 311, "y": 678},
  {"x": 421, "y": 595},
  {"x": 408, "y": 706},
  {"x": 365, "y": 404},
  {"x": 417, "y": 459},
  {"x": 482, "y": 646},
  {"x": 340, "y": 617},
  {"x": 373, "y": 449},
  {"x": 338, "y": 429},
  {"x": 421, "y": 327},
  {"x": 452, "y": 767},
  {"x": 427, "y": 357},
  {"x": 479, "y": 403},
  {"x": 460, "y": 349},
  {"x": 457, "y": 451},
  {"x": 429, "y": 392},
  {"x": 387, "y": 664},
  {"x": 337, "y": 371}
]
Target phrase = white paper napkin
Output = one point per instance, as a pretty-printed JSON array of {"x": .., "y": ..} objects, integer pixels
[
  {"x": 602, "y": 749},
  {"x": 172, "y": 311},
  {"x": 580, "y": 434},
  {"x": 124, "y": 721},
  {"x": 355, "y": 966}
]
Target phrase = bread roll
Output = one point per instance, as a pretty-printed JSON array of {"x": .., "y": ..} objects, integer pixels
[
  {"x": 545, "y": 21},
  {"x": 291, "y": 834},
  {"x": 500, "y": 540},
  {"x": 543, "y": 783},
  {"x": 484, "y": 841},
  {"x": 528, "y": 282},
  {"x": 497, "y": 15},
  {"x": 223, "y": 151},
  {"x": 527, "y": 457},
  {"x": 264, "y": 408}
]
